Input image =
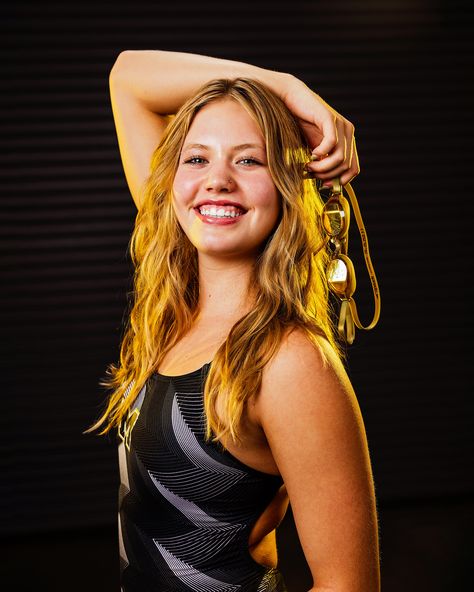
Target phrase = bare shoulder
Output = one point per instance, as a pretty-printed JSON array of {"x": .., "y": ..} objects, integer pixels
[
  {"x": 300, "y": 362},
  {"x": 305, "y": 384}
]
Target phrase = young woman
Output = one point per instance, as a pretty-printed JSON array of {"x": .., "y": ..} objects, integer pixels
[{"x": 231, "y": 399}]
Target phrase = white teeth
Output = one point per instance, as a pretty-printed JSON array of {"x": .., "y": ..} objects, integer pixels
[{"x": 219, "y": 213}]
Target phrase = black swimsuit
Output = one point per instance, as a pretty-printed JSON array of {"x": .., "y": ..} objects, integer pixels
[{"x": 186, "y": 506}]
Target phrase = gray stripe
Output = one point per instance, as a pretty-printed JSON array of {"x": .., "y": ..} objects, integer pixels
[{"x": 193, "y": 578}]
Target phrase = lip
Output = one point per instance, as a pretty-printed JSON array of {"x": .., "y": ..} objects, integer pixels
[
  {"x": 218, "y": 221},
  {"x": 220, "y": 202}
]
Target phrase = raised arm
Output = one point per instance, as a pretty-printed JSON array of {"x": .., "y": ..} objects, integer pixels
[
  {"x": 148, "y": 86},
  {"x": 314, "y": 427}
]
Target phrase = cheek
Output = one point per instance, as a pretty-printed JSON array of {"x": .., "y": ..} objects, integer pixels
[
  {"x": 184, "y": 186},
  {"x": 263, "y": 192},
  {"x": 265, "y": 196}
]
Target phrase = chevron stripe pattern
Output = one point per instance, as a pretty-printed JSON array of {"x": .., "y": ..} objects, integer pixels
[{"x": 186, "y": 506}]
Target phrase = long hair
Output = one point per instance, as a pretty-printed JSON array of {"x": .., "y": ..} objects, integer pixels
[{"x": 288, "y": 275}]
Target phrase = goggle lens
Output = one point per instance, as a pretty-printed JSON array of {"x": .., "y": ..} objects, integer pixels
[
  {"x": 340, "y": 275},
  {"x": 335, "y": 216}
]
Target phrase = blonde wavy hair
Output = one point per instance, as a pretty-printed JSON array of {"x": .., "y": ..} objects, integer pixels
[{"x": 288, "y": 275}]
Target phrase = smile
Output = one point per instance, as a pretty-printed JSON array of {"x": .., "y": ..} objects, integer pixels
[{"x": 220, "y": 220}]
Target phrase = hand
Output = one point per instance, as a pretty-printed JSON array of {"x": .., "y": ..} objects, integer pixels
[{"x": 329, "y": 134}]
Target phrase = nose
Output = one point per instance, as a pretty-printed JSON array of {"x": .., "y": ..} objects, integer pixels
[{"x": 219, "y": 179}]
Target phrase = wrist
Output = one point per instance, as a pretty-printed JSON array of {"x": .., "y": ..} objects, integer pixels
[{"x": 279, "y": 82}]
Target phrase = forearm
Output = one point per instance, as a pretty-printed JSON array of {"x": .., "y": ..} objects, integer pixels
[{"x": 163, "y": 80}]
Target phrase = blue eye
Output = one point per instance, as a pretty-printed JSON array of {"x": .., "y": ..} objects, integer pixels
[
  {"x": 250, "y": 159},
  {"x": 193, "y": 158}
]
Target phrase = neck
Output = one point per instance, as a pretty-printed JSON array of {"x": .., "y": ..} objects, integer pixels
[{"x": 224, "y": 289}]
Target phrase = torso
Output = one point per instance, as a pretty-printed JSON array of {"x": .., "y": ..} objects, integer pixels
[{"x": 195, "y": 349}]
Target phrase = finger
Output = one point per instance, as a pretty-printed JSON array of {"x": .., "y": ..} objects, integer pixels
[
  {"x": 354, "y": 169},
  {"x": 338, "y": 156},
  {"x": 349, "y": 167},
  {"x": 336, "y": 172},
  {"x": 330, "y": 136},
  {"x": 343, "y": 152}
]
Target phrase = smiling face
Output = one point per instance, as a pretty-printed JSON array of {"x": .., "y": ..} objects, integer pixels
[{"x": 217, "y": 164}]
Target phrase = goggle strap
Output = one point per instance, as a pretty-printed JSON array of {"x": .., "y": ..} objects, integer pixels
[
  {"x": 373, "y": 279},
  {"x": 345, "y": 325}
]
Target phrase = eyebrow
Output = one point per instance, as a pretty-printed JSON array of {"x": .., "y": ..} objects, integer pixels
[{"x": 236, "y": 148}]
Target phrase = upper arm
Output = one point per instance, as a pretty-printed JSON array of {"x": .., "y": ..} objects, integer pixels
[
  {"x": 139, "y": 131},
  {"x": 314, "y": 427}
]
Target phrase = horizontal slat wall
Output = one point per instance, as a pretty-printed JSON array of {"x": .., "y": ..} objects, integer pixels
[{"x": 397, "y": 70}]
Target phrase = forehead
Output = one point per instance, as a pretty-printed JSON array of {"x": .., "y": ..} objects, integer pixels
[{"x": 226, "y": 121}]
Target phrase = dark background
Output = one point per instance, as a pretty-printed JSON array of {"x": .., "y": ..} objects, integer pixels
[{"x": 400, "y": 71}]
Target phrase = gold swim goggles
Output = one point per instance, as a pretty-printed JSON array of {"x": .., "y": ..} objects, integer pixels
[{"x": 340, "y": 273}]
